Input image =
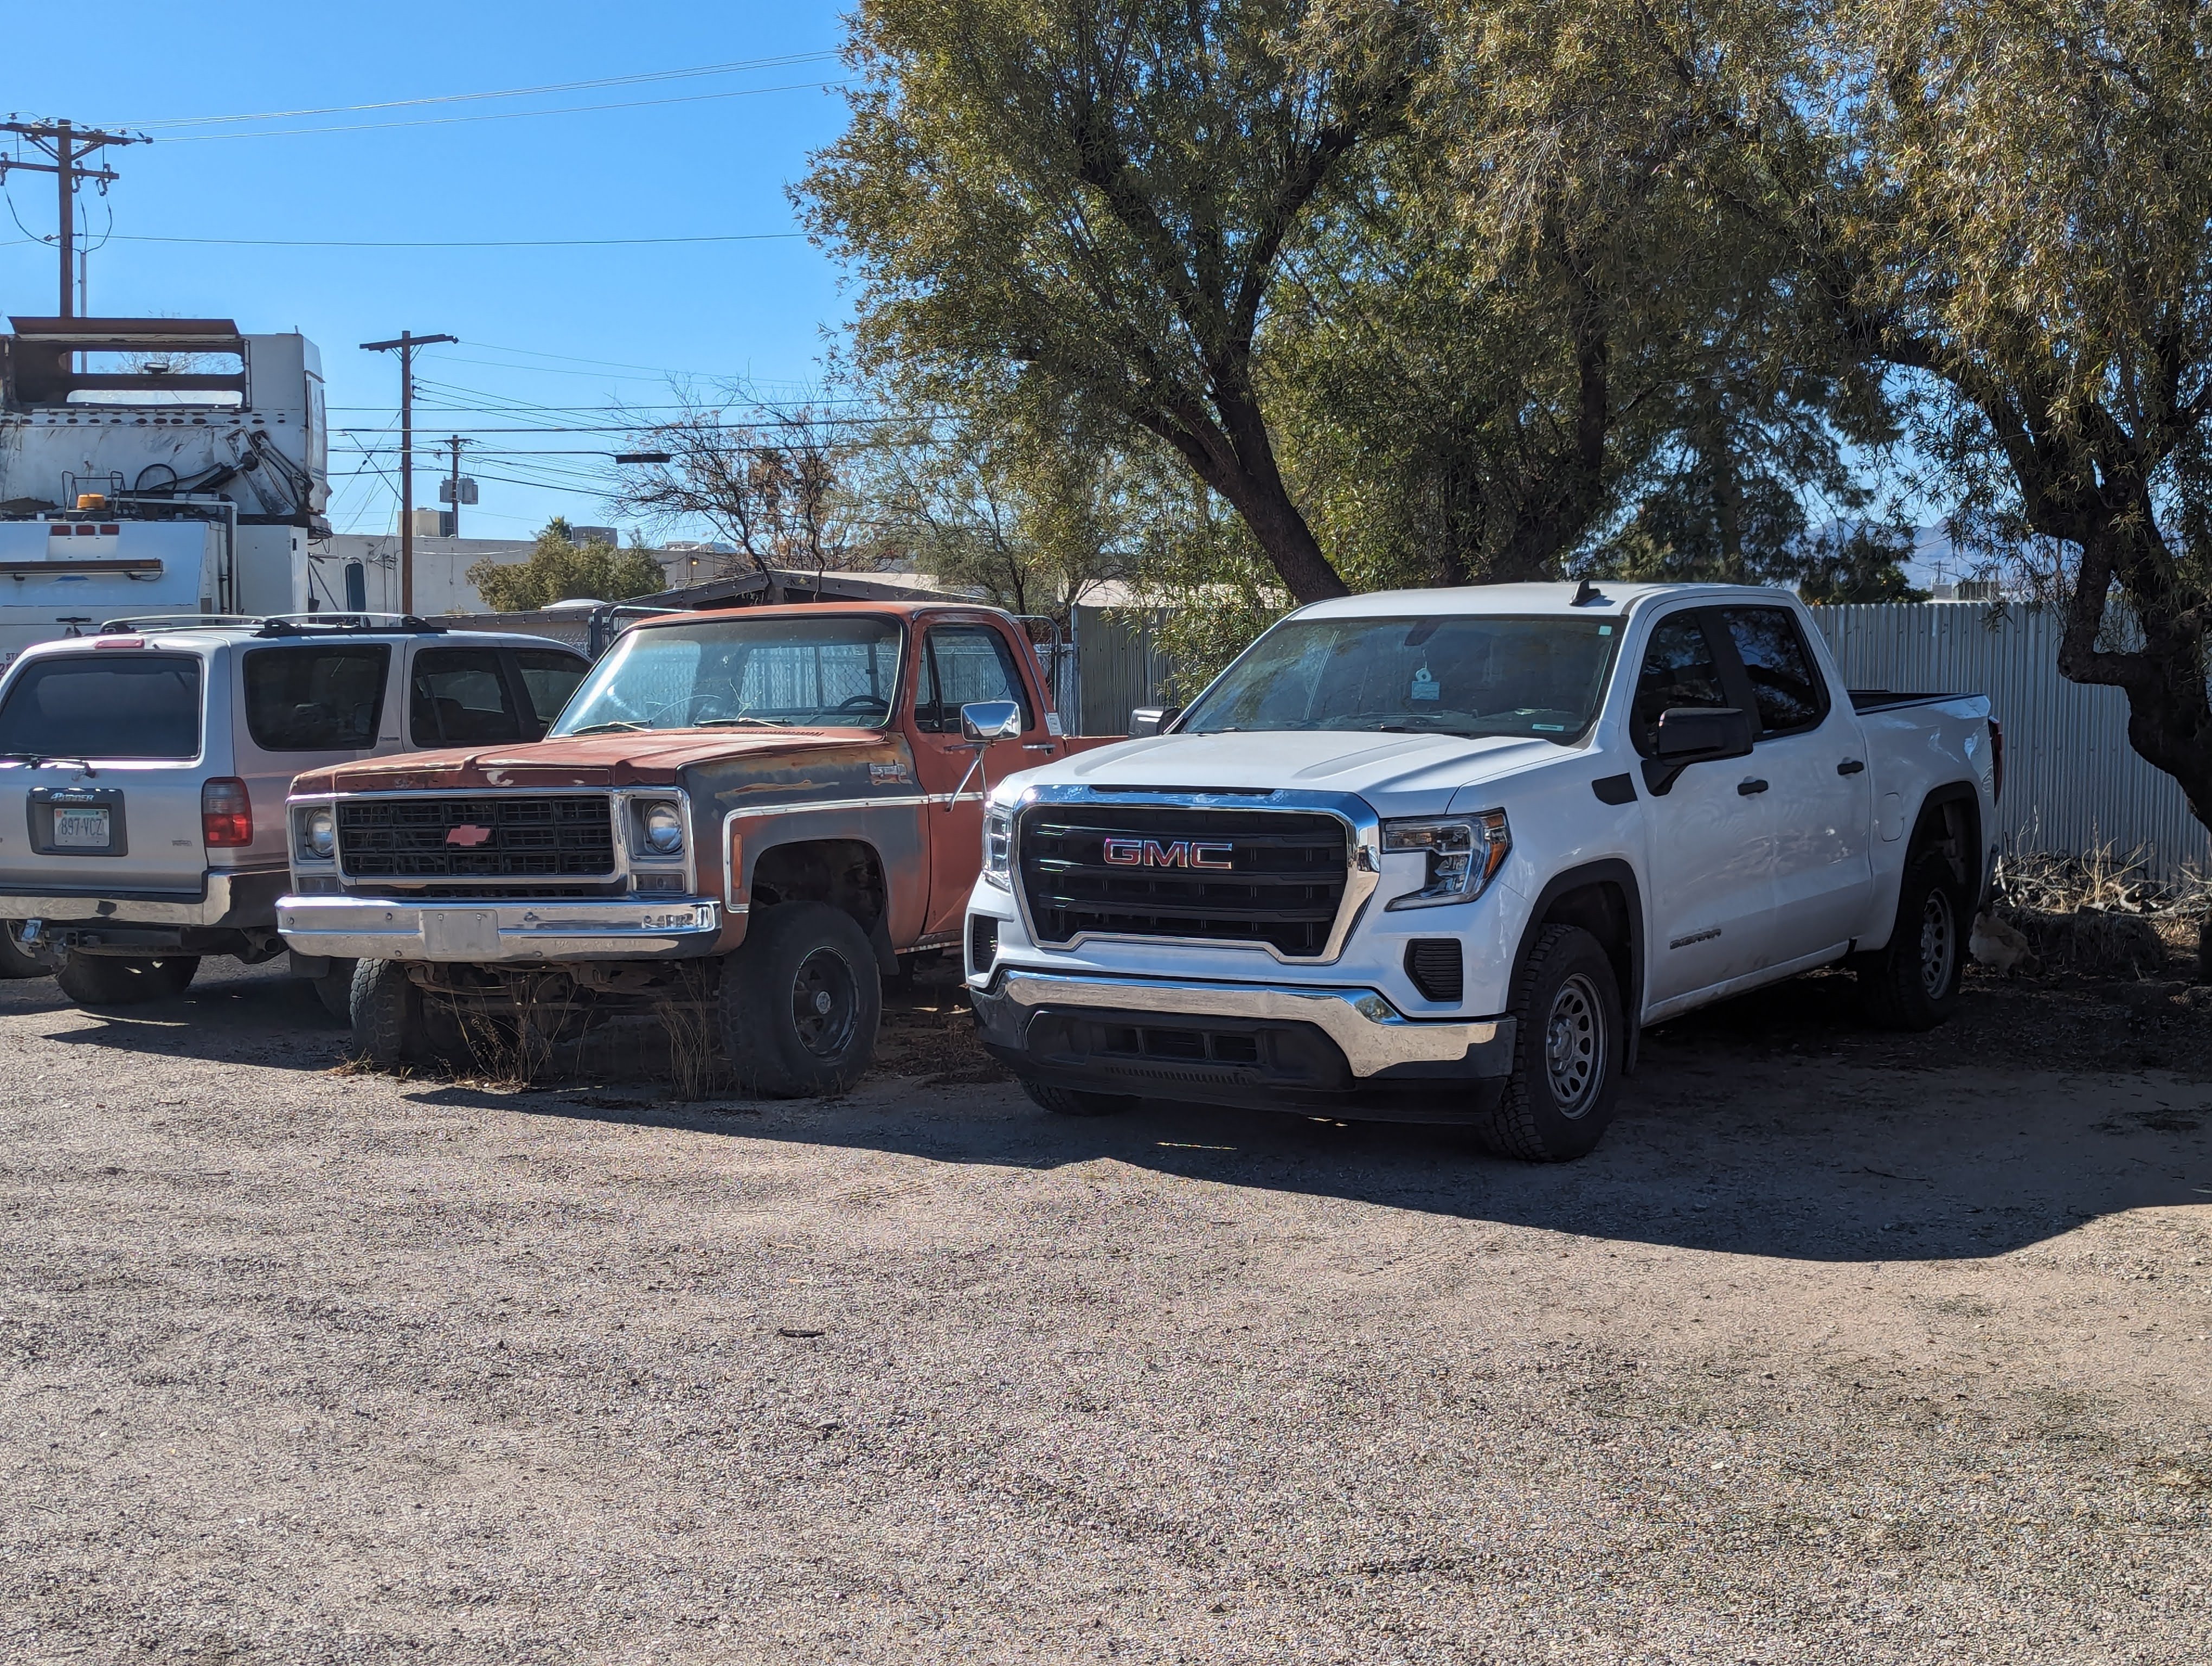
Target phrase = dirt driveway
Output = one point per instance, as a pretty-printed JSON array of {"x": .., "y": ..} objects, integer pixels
[{"x": 1836, "y": 1352}]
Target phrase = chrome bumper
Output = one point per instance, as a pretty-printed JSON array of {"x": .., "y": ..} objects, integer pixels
[
  {"x": 238, "y": 898},
  {"x": 1373, "y": 1035},
  {"x": 480, "y": 932}
]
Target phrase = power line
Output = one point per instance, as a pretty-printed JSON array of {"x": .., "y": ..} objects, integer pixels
[
  {"x": 504, "y": 115},
  {"x": 510, "y": 93},
  {"x": 512, "y": 243}
]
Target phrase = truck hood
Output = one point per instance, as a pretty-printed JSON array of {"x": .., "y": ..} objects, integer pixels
[
  {"x": 603, "y": 760},
  {"x": 1409, "y": 774}
]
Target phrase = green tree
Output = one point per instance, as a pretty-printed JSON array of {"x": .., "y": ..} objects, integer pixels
[
  {"x": 2009, "y": 208},
  {"x": 560, "y": 570},
  {"x": 1104, "y": 191}
]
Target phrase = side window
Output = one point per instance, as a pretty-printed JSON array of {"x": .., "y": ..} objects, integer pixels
[
  {"x": 548, "y": 680},
  {"x": 1788, "y": 689},
  {"x": 459, "y": 699},
  {"x": 1678, "y": 670},
  {"x": 322, "y": 699},
  {"x": 962, "y": 664}
]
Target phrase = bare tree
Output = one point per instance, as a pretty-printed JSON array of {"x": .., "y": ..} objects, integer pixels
[{"x": 770, "y": 475}]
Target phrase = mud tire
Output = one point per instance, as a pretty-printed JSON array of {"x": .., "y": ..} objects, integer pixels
[
  {"x": 386, "y": 1010},
  {"x": 800, "y": 956}
]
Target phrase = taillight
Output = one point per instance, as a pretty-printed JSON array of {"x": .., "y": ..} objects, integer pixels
[
  {"x": 1996, "y": 760},
  {"x": 226, "y": 813}
]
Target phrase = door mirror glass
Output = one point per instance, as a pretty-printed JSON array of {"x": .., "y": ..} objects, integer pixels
[
  {"x": 1695, "y": 734},
  {"x": 991, "y": 719}
]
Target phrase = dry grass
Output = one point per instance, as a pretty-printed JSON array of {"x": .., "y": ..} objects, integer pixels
[{"x": 2102, "y": 913}]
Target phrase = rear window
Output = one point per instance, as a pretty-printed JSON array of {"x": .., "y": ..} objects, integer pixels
[
  {"x": 110, "y": 704},
  {"x": 549, "y": 678},
  {"x": 461, "y": 699},
  {"x": 321, "y": 699}
]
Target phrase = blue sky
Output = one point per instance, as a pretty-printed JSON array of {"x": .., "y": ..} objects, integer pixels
[{"x": 682, "y": 158}]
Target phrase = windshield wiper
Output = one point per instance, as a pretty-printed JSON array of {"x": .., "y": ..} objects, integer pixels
[
  {"x": 609, "y": 727},
  {"x": 730, "y": 722}
]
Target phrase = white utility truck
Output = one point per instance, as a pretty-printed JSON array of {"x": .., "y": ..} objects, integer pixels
[
  {"x": 1439, "y": 855},
  {"x": 171, "y": 466}
]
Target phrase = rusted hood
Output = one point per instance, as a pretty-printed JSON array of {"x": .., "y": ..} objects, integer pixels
[{"x": 607, "y": 760}]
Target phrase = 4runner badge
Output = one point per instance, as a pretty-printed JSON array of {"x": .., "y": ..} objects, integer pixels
[
  {"x": 1182, "y": 853},
  {"x": 468, "y": 836}
]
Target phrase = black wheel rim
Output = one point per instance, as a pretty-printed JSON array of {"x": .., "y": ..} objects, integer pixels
[
  {"x": 825, "y": 1004},
  {"x": 1939, "y": 943},
  {"x": 1575, "y": 1045}
]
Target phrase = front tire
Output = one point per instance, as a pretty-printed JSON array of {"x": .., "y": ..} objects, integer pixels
[
  {"x": 100, "y": 980},
  {"x": 1069, "y": 1102},
  {"x": 800, "y": 1002},
  {"x": 1913, "y": 982},
  {"x": 386, "y": 1011},
  {"x": 335, "y": 989},
  {"x": 1568, "y": 1042}
]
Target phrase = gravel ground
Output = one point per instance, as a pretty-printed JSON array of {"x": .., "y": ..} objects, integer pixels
[{"x": 1838, "y": 1350}]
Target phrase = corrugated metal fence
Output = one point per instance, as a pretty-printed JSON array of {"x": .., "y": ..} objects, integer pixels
[{"x": 2072, "y": 782}]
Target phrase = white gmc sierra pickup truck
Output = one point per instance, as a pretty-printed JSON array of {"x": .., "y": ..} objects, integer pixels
[{"x": 1439, "y": 855}]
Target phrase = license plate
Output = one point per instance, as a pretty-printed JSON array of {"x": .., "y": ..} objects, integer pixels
[
  {"x": 460, "y": 935},
  {"x": 80, "y": 830}
]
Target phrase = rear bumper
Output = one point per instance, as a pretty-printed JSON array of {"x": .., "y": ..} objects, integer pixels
[
  {"x": 488, "y": 931},
  {"x": 235, "y": 899},
  {"x": 1344, "y": 1051}
]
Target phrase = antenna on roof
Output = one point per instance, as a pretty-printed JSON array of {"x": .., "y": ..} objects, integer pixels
[{"x": 1585, "y": 593}]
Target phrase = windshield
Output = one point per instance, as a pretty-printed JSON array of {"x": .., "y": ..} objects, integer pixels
[
  {"x": 769, "y": 671},
  {"x": 1469, "y": 676}
]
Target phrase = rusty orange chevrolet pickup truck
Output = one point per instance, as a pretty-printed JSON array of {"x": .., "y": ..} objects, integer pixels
[{"x": 760, "y": 811}]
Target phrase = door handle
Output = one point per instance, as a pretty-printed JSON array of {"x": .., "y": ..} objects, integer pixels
[
  {"x": 1852, "y": 766},
  {"x": 1745, "y": 788}
]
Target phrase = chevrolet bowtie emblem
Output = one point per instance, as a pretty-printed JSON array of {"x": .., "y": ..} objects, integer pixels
[{"x": 468, "y": 836}]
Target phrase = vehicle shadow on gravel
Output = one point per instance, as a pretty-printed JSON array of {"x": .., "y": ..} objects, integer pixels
[
  {"x": 231, "y": 1013},
  {"x": 1779, "y": 1125}
]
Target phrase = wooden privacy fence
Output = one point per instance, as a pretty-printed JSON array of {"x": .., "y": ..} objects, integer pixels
[{"x": 2072, "y": 783}]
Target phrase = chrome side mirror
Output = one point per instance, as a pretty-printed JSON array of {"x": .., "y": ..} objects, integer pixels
[{"x": 991, "y": 719}]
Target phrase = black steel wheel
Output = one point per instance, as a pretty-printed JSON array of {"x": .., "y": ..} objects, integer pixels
[{"x": 800, "y": 1002}]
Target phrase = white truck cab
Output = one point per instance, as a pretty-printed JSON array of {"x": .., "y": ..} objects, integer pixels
[
  {"x": 152, "y": 758},
  {"x": 1438, "y": 855}
]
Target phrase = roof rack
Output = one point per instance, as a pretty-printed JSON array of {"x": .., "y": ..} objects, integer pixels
[
  {"x": 305, "y": 625},
  {"x": 144, "y": 622},
  {"x": 278, "y": 624}
]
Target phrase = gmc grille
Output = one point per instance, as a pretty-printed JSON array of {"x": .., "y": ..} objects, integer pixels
[
  {"x": 1283, "y": 885},
  {"x": 501, "y": 838}
]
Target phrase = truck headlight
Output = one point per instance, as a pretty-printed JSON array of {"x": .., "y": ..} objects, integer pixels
[
  {"x": 1464, "y": 853},
  {"x": 319, "y": 835},
  {"x": 661, "y": 829},
  {"x": 998, "y": 842}
]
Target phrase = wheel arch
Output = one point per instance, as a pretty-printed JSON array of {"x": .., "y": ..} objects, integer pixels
[
  {"x": 845, "y": 870},
  {"x": 1605, "y": 899}
]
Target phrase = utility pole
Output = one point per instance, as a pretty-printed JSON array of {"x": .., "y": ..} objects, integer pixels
[
  {"x": 70, "y": 146},
  {"x": 452, "y": 492},
  {"x": 405, "y": 345}
]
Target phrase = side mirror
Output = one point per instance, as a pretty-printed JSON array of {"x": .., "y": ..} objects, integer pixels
[
  {"x": 1695, "y": 734},
  {"x": 1152, "y": 719},
  {"x": 991, "y": 719}
]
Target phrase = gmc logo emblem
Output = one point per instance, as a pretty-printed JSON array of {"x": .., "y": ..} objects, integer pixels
[
  {"x": 1182, "y": 853},
  {"x": 468, "y": 836}
]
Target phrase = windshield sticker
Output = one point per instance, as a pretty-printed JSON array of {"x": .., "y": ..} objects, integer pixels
[
  {"x": 1605, "y": 631},
  {"x": 1425, "y": 686}
]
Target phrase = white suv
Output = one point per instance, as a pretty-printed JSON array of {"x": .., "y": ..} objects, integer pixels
[{"x": 153, "y": 758}]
